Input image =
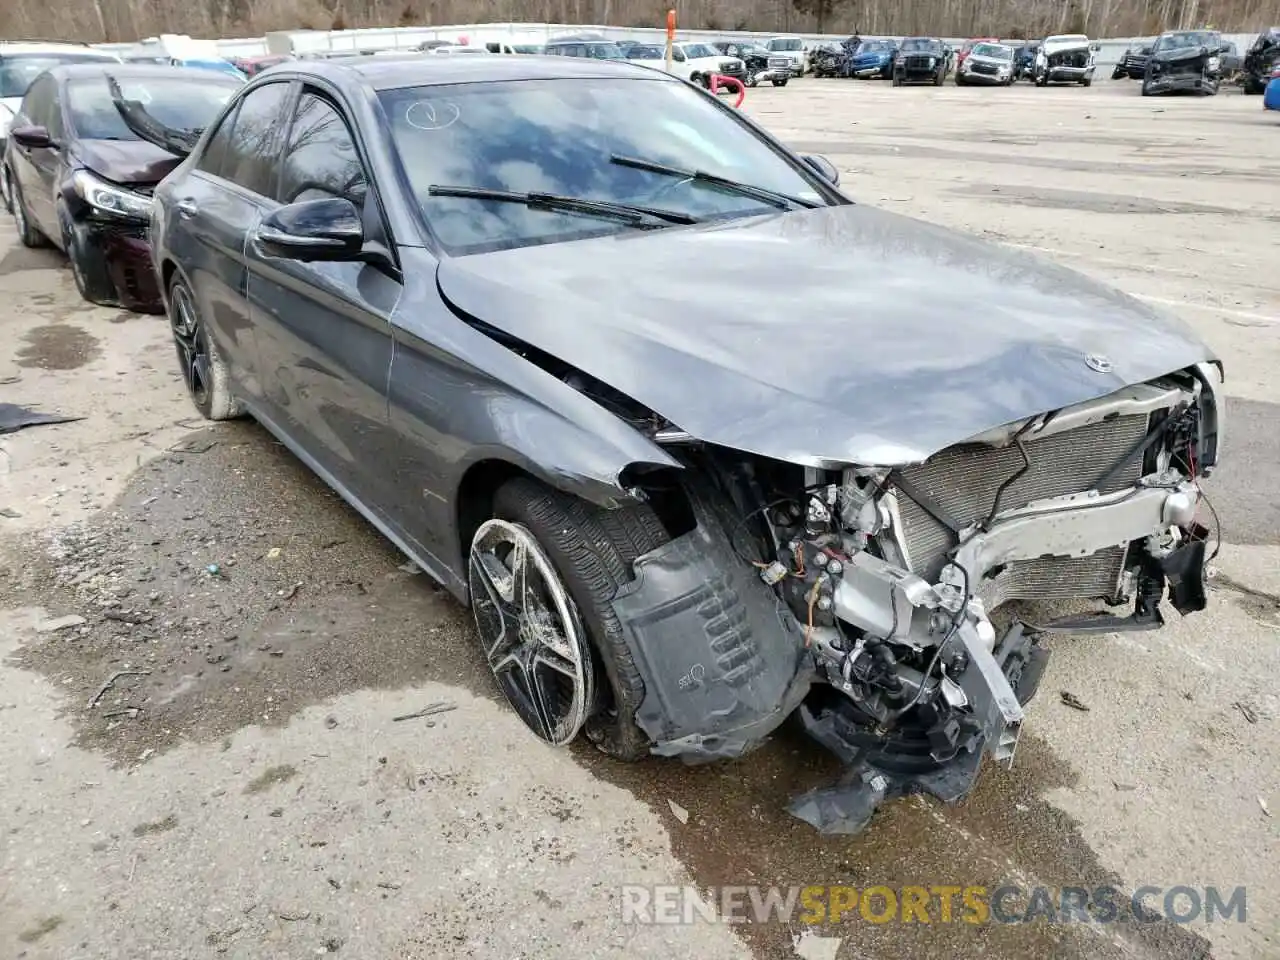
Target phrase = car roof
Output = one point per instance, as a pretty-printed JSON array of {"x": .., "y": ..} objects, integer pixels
[
  {"x": 390, "y": 73},
  {"x": 14, "y": 47},
  {"x": 134, "y": 71}
]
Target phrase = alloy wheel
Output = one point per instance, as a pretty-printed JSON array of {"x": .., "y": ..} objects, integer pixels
[
  {"x": 531, "y": 631},
  {"x": 192, "y": 344}
]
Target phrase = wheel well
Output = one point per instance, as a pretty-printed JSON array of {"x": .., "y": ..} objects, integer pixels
[
  {"x": 474, "y": 499},
  {"x": 167, "y": 270},
  {"x": 661, "y": 489}
]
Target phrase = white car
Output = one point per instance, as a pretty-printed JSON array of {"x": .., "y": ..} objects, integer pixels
[
  {"x": 987, "y": 63},
  {"x": 1069, "y": 58},
  {"x": 794, "y": 50},
  {"x": 693, "y": 61},
  {"x": 22, "y": 62},
  {"x": 453, "y": 49}
]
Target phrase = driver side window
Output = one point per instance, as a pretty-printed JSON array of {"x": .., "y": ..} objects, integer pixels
[
  {"x": 321, "y": 159},
  {"x": 678, "y": 55}
]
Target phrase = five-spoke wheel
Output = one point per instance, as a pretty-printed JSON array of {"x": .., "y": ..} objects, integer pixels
[{"x": 531, "y": 631}]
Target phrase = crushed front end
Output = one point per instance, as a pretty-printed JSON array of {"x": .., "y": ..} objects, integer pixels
[
  {"x": 869, "y": 595},
  {"x": 1183, "y": 70}
]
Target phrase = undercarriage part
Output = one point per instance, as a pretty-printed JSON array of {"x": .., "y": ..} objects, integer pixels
[
  {"x": 722, "y": 659},
  {"x": 846, "y": 806}
]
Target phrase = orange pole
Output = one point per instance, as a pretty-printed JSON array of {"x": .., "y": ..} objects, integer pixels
[{"x": 671, "y": 35}]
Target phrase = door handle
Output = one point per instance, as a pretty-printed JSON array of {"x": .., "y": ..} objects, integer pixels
[{"x": 187, "y": 208}]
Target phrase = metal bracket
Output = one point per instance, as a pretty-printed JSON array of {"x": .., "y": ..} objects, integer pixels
[{"x": 994, "y": 704}]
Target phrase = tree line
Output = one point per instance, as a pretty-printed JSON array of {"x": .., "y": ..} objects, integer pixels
[{"x": 122, "y": 20}]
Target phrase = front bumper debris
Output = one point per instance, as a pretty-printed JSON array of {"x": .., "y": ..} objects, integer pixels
[{"x": 126, "y": 255}]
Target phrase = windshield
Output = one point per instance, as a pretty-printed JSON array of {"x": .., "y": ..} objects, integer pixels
[
  {"x": 221, "y": 66},
  {"x": 1179, "y": 41},
  {"x": 696, "y": 50},
  {"x": 786, "y": 44},
  {"x": 557, "y": 136},
  {"x": 920, "y": 46},
  {"x": 19, "y": 69},
  {"x": 646, "y": 53},
  {"x": 181, "y": 103},
  {"x": 527, "y": 47},
  {"x": 875, "y": 46},
  {"x": 993, "y": 50}
]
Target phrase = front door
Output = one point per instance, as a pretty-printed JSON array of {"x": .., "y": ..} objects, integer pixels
[{"x": 323, "y": 328}]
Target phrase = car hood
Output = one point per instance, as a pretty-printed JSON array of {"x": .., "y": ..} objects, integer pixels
[
  {"x": 1051, "y": 47},
  {"x": 843, "y": 334},
  {"x": 993, "y": 61},
  {"x": 1180, "y": 54},
  {"x": 126, "y": 161}
]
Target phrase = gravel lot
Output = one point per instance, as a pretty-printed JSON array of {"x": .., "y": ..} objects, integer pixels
[{"x": 261, "y": 800}]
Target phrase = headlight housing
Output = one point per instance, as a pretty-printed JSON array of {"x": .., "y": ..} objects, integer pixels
[{"x": 111, "y": 200}]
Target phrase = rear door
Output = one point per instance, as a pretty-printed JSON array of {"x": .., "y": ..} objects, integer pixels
[
  {"x": 221, "y": 199},
  {"x": 324, "y": 328},
  {"x": 35, "y": 168}
]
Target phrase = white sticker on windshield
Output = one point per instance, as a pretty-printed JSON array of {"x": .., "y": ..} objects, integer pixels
[{"x": 426, "y": 115}]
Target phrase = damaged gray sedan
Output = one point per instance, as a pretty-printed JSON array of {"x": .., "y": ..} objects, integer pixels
[{"x": 534, "y": 319}]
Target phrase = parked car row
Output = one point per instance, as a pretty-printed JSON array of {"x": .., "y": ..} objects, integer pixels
[
  {"x": 987, "y": 61},
  {"x": 1200, "y": 61},
  {"x": 1197, "y": 61}
]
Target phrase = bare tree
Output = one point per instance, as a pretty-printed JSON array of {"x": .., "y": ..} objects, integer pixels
[{"x": 99, "y": 20}]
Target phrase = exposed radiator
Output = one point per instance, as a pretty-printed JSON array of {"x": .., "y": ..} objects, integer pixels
[{"x": 964, "y": 479}]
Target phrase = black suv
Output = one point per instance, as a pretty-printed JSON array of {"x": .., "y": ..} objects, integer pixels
[
  {"x": 921, "y": 60},
  {"x": 1263, "y": 57},
  {"x": 1185, "y": 61},
  {"x": 1133, "y": 65}
]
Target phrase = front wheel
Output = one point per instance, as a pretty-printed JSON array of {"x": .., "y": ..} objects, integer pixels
[
  {"x": 779, "y": 83},
  {"x": 542, "y": 575},
  {"x": 1087, "y": 82},
  {"x": 203, "y": 370}
]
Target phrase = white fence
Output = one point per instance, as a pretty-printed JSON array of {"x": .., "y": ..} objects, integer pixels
[{"x": 406, "y": 38}]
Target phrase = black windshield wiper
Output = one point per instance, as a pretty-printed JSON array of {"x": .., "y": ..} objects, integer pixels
[
  {"x": 783, "y": 201},
  {"x": 625, "y": 212}
]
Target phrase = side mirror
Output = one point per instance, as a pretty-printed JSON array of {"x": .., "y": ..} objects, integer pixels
[
  {"x": 824, "y": 167},
  {"x": 32, "y": 137},
  {"x": 312, "y": 230}
]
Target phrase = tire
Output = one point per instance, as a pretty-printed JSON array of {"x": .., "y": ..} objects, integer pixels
[
  {"x": 940, "y": 79},
  {"x": 1086, "y": 83},
  {"x": 1146, "y": 88},
  {"x": 88, "y": 266},
  {"x": 5, "y": 193},
  {"x": 590, "y": 552},
  {"x": 960, "y": 81},
  {"x": 779, "y": 83},
  {"x": 202, "y": 367},
  {"x": 28, "y": 235}
]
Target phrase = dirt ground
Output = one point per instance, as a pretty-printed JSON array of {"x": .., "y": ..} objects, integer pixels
[{"x": 242, "y": 788}]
